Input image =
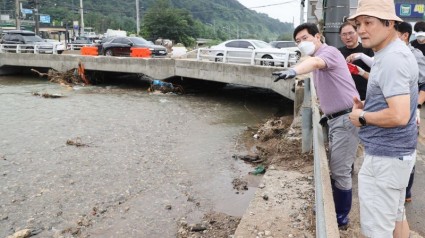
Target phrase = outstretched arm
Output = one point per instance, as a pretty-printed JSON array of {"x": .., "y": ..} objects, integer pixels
[
  {"x": 304, "y": 67},
  {"x": 363, "y": 57}
]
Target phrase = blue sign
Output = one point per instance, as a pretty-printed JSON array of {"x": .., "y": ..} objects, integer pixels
[
  {"x": 410, "y": 10},
  {"x": 45, "y": 18},
  {"x": 26, "y": 11}
]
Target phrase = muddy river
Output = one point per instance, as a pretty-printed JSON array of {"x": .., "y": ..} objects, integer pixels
[{"x": 144, "y": 161}]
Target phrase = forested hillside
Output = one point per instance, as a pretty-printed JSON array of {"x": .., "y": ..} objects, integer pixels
[{"x": 217, "y": 19}]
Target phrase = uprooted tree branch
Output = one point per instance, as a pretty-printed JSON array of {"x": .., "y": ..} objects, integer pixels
[{"x": 70, "y": 77}]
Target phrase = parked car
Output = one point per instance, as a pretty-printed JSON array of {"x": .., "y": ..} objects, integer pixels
[
  {"x": 103, "y": 41},
  {"x": 82, "y": 40},
  {"x": 121, "y": 46},
  {"x": 29, "y": 39},
  {"x": 240, "y": 51},
  {"x": 290, "y": 45}
]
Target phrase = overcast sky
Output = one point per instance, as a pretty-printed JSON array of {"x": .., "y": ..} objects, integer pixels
[{"x": 283, "y": 10}]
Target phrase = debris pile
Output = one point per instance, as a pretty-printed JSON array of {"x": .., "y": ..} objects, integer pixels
[
  {"x": 165, "y": 87},
  {"x": 77, "y": 142},
  {"x": 213, "y": 225},
  {"x": 70, "y": 77},
  {"x": 47, "y": 95}
]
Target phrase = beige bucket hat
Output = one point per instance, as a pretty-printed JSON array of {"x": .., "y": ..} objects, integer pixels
[{"x": 382, "y": 9}]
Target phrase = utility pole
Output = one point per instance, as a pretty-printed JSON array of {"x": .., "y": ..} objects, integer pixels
[
  {"x": 17, "y": 20},
  {"x": 82, "y": 18},
  {"x": 36, "y": 17},
  {"x": 302, "y": 11},
  {"x": 137, "y": 18},
  {"x": 335, "y": 13}
]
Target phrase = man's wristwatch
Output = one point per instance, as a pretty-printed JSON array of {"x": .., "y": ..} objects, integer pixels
[{"x": 362, "y": 120}]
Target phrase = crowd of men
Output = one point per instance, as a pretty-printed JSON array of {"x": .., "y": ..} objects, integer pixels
[{"x": 370, "y": 91}]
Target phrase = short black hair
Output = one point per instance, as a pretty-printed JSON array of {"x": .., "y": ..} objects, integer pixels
[
  {"x": 404, "y": 27},
  {"x": 311, "y": 29},
  {"x": 419, "y": 26},
  {"x": 346, "y": 24}
]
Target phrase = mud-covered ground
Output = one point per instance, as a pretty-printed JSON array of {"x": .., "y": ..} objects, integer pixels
[{"x": 274, "y": 145}]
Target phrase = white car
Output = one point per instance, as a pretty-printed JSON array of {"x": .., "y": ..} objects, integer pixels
[
  {"x": 60, "y": 46},
  {"x": 289, "y": 45},
  {"x": 241, "y": 51}
]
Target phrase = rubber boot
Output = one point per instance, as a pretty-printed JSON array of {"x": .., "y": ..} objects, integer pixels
[
  {"x": 343, "y": 200},
  {"x": 409, "y": 186}
]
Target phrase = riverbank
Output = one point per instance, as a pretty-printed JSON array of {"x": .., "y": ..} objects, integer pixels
[{"x": 283, "y": 205}]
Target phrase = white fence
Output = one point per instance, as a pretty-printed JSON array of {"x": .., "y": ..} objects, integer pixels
[
  {"x": 36, "y": 49},
  {"x": 77, "y": 46},
  {"x": 284, "y": 58},
  {"x": 39, "y": 49}
]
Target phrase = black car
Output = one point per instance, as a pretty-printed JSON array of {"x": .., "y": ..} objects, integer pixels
[
  {"x": 30, "y": 39},
  {"x": 121, "y": 46}
]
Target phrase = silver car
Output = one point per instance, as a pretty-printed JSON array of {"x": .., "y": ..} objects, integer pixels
[
  {"x": 289, "y": 45},
  {"x": 242, "y": 50}
]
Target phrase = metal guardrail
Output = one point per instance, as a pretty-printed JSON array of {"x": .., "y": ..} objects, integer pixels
[
  {"x": 77, "y": 46},
  {"x": 312, "y": 135},
  {"x": 38, "y": 49},
  {"x": 26, "y": 48},
  {"x": 286, "y": 58}
]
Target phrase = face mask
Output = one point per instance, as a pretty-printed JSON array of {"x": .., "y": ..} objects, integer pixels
[
  {"x": 421, "y": 38},
  {"x": 307, "y": 47}
]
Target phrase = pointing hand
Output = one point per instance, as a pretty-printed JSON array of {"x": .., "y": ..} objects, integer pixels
[{"x": 284, "y": 74}]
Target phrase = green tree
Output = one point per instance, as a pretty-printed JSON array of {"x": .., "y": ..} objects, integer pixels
[{"x": 162, "y": 20}]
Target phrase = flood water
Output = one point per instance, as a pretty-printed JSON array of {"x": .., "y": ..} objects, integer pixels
[{"x": 141, "y": 155}]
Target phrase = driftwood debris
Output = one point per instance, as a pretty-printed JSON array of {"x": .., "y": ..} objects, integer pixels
[
  {"x": 77, "y": 142},
  {"x": 69, "y": 78},
  {"x": 47, "y": 95}
]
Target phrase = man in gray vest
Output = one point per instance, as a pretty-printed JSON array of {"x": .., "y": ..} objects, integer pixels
[{"x": 387, "y": 121}]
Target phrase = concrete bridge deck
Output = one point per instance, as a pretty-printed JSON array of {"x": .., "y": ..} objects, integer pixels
[{"x": 158, "y": 68}]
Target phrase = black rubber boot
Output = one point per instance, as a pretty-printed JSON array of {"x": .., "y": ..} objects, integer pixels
[{"x": 343, "y": 200}]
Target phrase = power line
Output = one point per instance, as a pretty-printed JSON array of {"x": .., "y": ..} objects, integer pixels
[{"x": 270, "y": 5}]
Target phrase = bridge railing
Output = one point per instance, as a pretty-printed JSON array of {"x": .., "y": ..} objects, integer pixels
[
  {"x": 313, "y": 136},
  {"x": 77, "y": 46},
  {"x": 248, "y": 56},
  {"x": 27, "y": 48}
]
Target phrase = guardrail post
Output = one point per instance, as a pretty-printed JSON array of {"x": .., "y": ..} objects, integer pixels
[
  {"x": 225, "y": 56},
  {"x": 307, "y": 125},
  {"x": 198, "y": 55},
  {"x": 253, "y": 57},
  {"x": 286, "y": 63}
]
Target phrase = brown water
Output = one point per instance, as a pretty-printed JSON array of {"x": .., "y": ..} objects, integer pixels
[{"x": 143, "y": 152}]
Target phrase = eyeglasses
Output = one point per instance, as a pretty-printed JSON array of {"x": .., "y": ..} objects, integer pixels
[{"x": 351, "y": 33}]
